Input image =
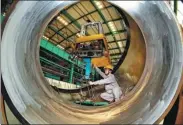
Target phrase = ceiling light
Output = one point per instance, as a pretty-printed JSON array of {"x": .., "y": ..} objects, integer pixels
[
  {"x": 46, "y": 37},
  {"x": 60, "y": 47},
  {"x": 110, "y": 23},
  {"x": 79, "y": 35},
  {"x": 62, "y": 20},
  {"x": 113, "y": 29},
  {"x": 99, "y": 4},
  {"x": 65, "y": 23},
  {"x": 120, "y": 44}
]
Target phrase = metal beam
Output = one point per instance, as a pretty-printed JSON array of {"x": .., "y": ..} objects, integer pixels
[
  {"x": 114, "y": 48},
  {"x": 105, "y": 21},
  {"x": 116, "y": 32},
  {"x": 74, "y": 21},
  {"x": 120, "y": 31},
  {"x": 115, "y": 58},
  {"x": 71, "y": 19},
  {"x": 58, "y": 14},
  {"x": 175, "y": 6},
  {"x": 87, "y": 15},
  {"x": 64, "y": 12},
  {"x": 76, "y": 33},
  {"x": 117, "y": 41},
  {"x": 113, "y": 20},
  {"x": 114, "y": 61},
  {"x": 115, "y": 54},
  {"x": 52, "y": 28},
  {"x": 57, "y": 32},
  {"x": 82, "y": 16}
]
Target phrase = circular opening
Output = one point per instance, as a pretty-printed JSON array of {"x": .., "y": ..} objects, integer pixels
[
  {"x": 78, "y": 39},
  {"x": 38, "y": 102}
]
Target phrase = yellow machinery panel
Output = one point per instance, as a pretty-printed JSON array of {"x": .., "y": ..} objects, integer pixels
[
  {"x": 98, "y": 61},
  {"x": 83, "y": 39},
  {"x": 101, "y": 61}
]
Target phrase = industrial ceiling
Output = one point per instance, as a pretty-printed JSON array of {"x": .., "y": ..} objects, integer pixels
[{"x": 65, "y": 26}]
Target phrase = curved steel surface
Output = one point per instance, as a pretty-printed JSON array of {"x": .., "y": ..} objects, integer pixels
[{"x": 38, "y": 103}]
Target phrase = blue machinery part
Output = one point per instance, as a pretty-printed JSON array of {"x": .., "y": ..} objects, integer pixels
[{"x": 87, "y": 67}]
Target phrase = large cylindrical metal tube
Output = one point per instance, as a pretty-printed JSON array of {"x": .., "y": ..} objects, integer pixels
[{"x": 38, "y": 103}]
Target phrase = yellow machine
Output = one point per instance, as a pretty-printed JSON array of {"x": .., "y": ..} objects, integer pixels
[{"x": 93, "y": 46}]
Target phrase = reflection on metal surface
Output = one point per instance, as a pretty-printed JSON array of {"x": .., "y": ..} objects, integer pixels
[
  {"x": 133, "y": 65},
  {"x": 38, "y": 103}
]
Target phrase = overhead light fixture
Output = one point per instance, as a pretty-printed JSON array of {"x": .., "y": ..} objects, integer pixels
[
  {"x": 120, "y": 44},
  {"x": 66, "y": 23},
  {"x": 112, "y": 27},
  {"x": 45, "y": 37},
  {"x": 62, "y": 20},
  {"x": 60, "y": 47},
  {"x": 78, "y": 34},
  {"x": 99, "y": 4},
  {"x": 110, "y": 23}
]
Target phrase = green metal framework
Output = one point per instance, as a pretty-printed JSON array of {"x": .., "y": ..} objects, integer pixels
[{"x": 55, "y": 70}]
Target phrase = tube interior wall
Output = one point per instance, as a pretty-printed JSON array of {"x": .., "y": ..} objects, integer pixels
[
  {"x": 38, "y": 103},
  {"x": 133, "y": 65}
]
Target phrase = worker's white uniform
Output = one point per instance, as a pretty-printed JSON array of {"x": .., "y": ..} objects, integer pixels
[{"x": 113, "y": 91}]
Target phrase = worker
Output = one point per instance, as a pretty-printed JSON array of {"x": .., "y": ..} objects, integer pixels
[{"x": 113, "y": 91}]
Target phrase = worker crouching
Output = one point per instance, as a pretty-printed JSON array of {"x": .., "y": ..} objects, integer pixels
[{"x": 113, "y": 91}]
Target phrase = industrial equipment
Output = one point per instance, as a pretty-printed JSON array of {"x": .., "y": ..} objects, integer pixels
[
  {"x": 93, "y": 49},
  {"x": 93, "y": 46},
  {"x": 30, "y": 97}
]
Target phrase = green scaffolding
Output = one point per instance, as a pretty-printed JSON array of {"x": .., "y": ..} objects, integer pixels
[{"x": 61, "y": 54}]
